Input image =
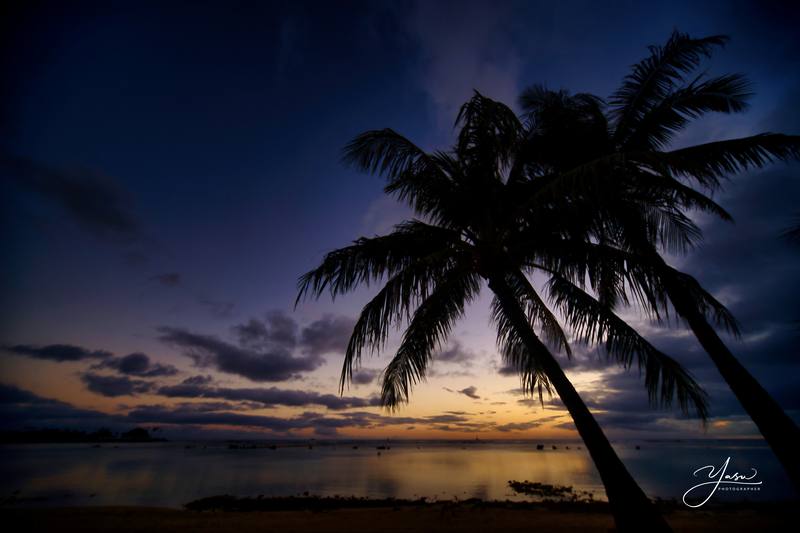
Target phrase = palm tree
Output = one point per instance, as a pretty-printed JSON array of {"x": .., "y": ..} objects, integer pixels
[
  {"x": 617, "y": 163},
  {"x": 473, "y": 231}
]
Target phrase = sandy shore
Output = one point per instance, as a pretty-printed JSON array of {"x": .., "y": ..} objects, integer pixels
[{"x": 428, "y": 518}]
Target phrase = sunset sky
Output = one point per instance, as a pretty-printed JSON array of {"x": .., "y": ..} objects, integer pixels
[{"x": 170, "y": 169}]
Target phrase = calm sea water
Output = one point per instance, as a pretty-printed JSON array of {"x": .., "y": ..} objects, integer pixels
[{"x": 173, "y": 473}]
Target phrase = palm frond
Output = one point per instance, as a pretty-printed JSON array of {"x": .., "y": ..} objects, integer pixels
[
  {"x": 563, "y": 130},
  {"x": 395, "y": 302},
  {"x": 368, "y": 260},
  {"x": 688, "y": 291},
  {"x": 657, "y": 126},
  {"x": 427, "y": 332},
  {"x": 664, "y": 189},
  {"x": 490, "y": 132},
  {"x": 412, "y": 175},
  {"x": 656, "y": 76},
  {"x": 708, "y": 163},
  {"x": 594, "y": 323},
  {"x": 538, "y": 313},
  {"x": 384, "y": 152},
  {"x": 516, "y": 339}
]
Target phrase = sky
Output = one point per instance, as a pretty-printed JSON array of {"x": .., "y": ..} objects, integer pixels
[{"x": 169, "y": 169}]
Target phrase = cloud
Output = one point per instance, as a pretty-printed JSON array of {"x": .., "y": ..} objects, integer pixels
[
  {"x": 169, "y": 279},
  {"x": 20, "y": 409},
  {"x": 365, "y": 376},
  {"x": 519, "y": 426},
  {"x": 137, "y": 364},
  {"x": 93, "y": 201},
  {"x": 470, "y": 392},
  {"x": 455, "y": 353},
  {"x": 507, "y": 370},
  {"x": 199, "y": 387},
  {"x": 208, "y": 351},
  {"x": 329, "y": 334},
  {"x": 114, "y": 386},
  {"x": 189, "y": 414},
  {"x": 277, "y": 329},
  {"x": 472, "y": 51},
  {"x": 383, "y": 214},
  {"x": 57, "y": 352},
  {"x": 9, "y": 394},
  {"x": 201, "y": 415},
  {"x": 274, "y": 348}
]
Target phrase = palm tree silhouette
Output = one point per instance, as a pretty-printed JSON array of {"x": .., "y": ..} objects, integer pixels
[
  {"x": 479, "y": 225},
  {"x": 631, "y": 193}
]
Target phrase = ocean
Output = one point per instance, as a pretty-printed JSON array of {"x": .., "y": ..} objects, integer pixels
[{"x": 170, "y": 474}]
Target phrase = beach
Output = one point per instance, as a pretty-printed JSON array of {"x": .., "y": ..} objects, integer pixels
[{"x": 441, "y": 517}]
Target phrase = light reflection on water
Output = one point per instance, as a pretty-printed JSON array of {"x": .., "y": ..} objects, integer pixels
[{"x": 170, "y": 474}]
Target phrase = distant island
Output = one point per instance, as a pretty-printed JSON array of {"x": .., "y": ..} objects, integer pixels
[{"x": 40, "y": 436}]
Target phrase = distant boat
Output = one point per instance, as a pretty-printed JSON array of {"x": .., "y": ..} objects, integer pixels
[{"x": 540, "y": 446}]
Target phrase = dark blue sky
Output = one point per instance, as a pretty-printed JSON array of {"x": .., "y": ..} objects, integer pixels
[{"x": 176, "y": 164}]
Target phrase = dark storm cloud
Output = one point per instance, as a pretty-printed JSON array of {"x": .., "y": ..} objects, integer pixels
[
  {"x": 57, "y": 352},
  {"x": 93, "y": 201},
  {"x": 194, "y": 388},
  {"x": 330, "y": 334},
  {"x": 137, "y": 364},
  {"x": 113, "y": 386},
  {"x": 169, "y": 279},
  {"x": 277, "y": 364}
]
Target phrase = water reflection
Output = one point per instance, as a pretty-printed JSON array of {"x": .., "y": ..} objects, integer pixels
[{"x": 171, "y": 474}]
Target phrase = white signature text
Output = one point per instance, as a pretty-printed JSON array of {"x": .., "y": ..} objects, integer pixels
[{"x": 718, "y": 477}]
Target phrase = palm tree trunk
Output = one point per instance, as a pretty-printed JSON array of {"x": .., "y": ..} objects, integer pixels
[
  {"x": 632, "y": 509},
  {"x": 780, "y": 432}
]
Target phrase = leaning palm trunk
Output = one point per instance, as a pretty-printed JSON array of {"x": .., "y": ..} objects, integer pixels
[
  {"x": 632, "y": 509},
  {"x": 621, "y": 161},
  {"x": 780, "y": 432}
]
